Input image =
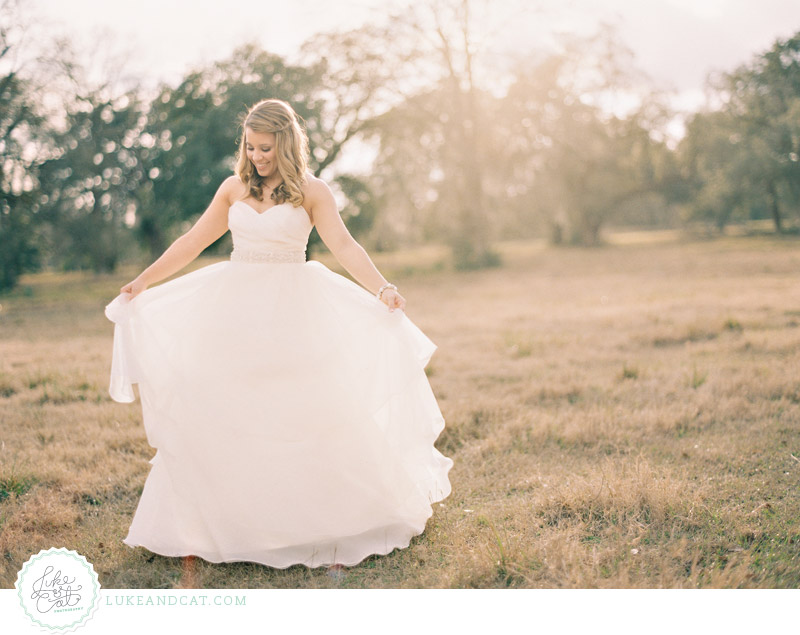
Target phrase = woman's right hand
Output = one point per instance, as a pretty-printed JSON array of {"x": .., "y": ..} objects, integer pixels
[{"x": 134, "y": 287}]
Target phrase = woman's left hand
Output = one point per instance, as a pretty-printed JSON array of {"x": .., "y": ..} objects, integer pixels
[{"x": 393, "y": 300}]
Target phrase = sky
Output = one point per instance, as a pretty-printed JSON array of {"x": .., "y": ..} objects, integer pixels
[{"x": 677, "y": 43}]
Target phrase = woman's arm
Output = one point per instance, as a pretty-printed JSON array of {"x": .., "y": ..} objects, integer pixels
[
  {"x": 352, "y": 256},
  {"x": 208, "y": 228}
]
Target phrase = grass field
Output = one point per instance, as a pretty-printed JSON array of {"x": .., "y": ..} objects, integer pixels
[{"x": 621, "y": 417}]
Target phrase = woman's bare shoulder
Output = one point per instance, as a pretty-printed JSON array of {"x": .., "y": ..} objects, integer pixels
[
  {"x": 310, "y": 180},
  {"x": 233, "y": 188},
  {"x": 315, "y": 193},
  {"x": 314, "y": 187}
]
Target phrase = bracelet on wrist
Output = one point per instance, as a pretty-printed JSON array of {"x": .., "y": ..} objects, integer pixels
[{"x": 388, "y": 285}]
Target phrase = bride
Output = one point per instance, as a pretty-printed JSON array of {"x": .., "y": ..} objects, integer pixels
[{"x": 289, "y": 408}]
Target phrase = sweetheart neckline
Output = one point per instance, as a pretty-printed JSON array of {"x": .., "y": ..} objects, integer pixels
[
  {"x": 265, "y": 211},
  {"x": 255, "y": 211}
]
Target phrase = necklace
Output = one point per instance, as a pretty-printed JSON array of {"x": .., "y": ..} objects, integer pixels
[{"x": 271, "y": 190}]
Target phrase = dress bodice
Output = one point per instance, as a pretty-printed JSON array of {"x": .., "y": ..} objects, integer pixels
[{"x": 279, "y": 234}]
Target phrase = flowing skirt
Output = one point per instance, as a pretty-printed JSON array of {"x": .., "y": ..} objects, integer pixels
[{"x": 290, "y": 412}]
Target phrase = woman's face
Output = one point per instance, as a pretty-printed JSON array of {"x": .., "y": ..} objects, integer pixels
[{"x": 260, "y": 148}]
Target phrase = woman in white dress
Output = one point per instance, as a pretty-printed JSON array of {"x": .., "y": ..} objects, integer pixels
[{"x": 289, "y": 406}]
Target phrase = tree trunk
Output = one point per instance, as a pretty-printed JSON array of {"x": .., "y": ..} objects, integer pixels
[
  {"x": 774, "y": 207},
  {"x": 470, "y": 239}
]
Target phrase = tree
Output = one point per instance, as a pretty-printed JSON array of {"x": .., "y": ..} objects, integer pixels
[
  {"x": 356, "y": 81},
  {"x": 743, "y": 158},
  {"x": 412, "y": 171},
  {"x": 444, "y": 34},
  {"x": 572, "y": 162},
  {"x": 19, "y": 121},
  {"x": 89, "y": 183}
]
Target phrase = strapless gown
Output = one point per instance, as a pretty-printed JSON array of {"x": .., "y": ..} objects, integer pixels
[{"x": 291, "y": 415}]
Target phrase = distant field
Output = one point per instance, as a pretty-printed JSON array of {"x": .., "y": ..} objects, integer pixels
[{"x": 627, "y": 416}]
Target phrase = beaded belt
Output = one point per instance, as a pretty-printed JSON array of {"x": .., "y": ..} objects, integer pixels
[{"x": 259, "y": 255}]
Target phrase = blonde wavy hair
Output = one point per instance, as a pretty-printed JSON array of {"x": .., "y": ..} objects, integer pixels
[{"x": 291, "y": 149}]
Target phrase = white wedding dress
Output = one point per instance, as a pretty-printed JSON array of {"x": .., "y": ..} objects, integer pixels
[{"x": 289, "y": 408}]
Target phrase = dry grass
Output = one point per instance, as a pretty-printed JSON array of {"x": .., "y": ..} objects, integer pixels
[{"x": 619, "y": 417}]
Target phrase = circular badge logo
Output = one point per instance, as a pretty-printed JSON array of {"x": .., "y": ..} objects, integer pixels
[{"x": 58, "y": 589}]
